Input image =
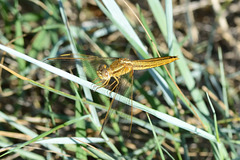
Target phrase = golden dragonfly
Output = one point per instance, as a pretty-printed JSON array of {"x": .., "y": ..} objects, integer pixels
[{"x": 118, "y": 68}]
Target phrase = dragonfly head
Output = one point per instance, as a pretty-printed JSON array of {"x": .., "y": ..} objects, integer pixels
[{"x": 103, "y": 73}]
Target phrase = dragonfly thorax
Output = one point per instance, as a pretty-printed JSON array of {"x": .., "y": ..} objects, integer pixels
[{"x": 103, "y": 72}]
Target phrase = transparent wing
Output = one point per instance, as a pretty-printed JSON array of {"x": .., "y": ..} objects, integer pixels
[
  {"x": 83, "y": 57},
  {"x": 89, "y": 63}
]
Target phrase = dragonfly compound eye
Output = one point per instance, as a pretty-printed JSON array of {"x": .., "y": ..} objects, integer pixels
[{"x": 102, "y": 72}]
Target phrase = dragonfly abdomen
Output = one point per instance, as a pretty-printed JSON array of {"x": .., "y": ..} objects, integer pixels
[{"x": 152, "y": 62}]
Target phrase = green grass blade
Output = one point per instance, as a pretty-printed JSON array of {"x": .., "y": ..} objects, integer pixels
[
  {"x": 108, "y": 93},
  {"x": 181, "y": 63}
]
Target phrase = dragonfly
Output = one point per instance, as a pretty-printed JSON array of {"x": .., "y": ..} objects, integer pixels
[{"x": 118, "y": 68}]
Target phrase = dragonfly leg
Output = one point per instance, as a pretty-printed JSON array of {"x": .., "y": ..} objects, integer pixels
[
  {"x": 97, "y": 83},
  {"x": 105, "y": 83},
  {"x": 131, "y": 74},
  {"x": 106, "y": 116},
  {"x": 94, "y": 81},
  {"x": 116, "y": 81},
  {"x": 112, "y": 83}
]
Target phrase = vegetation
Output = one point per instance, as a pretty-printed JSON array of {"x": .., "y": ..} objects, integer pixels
[{"x": 184, "y": 110}]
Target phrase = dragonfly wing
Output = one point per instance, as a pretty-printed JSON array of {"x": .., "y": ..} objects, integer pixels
[
  {"x": 90, "y": 63},
  {"x": 84, "y": 57}
]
